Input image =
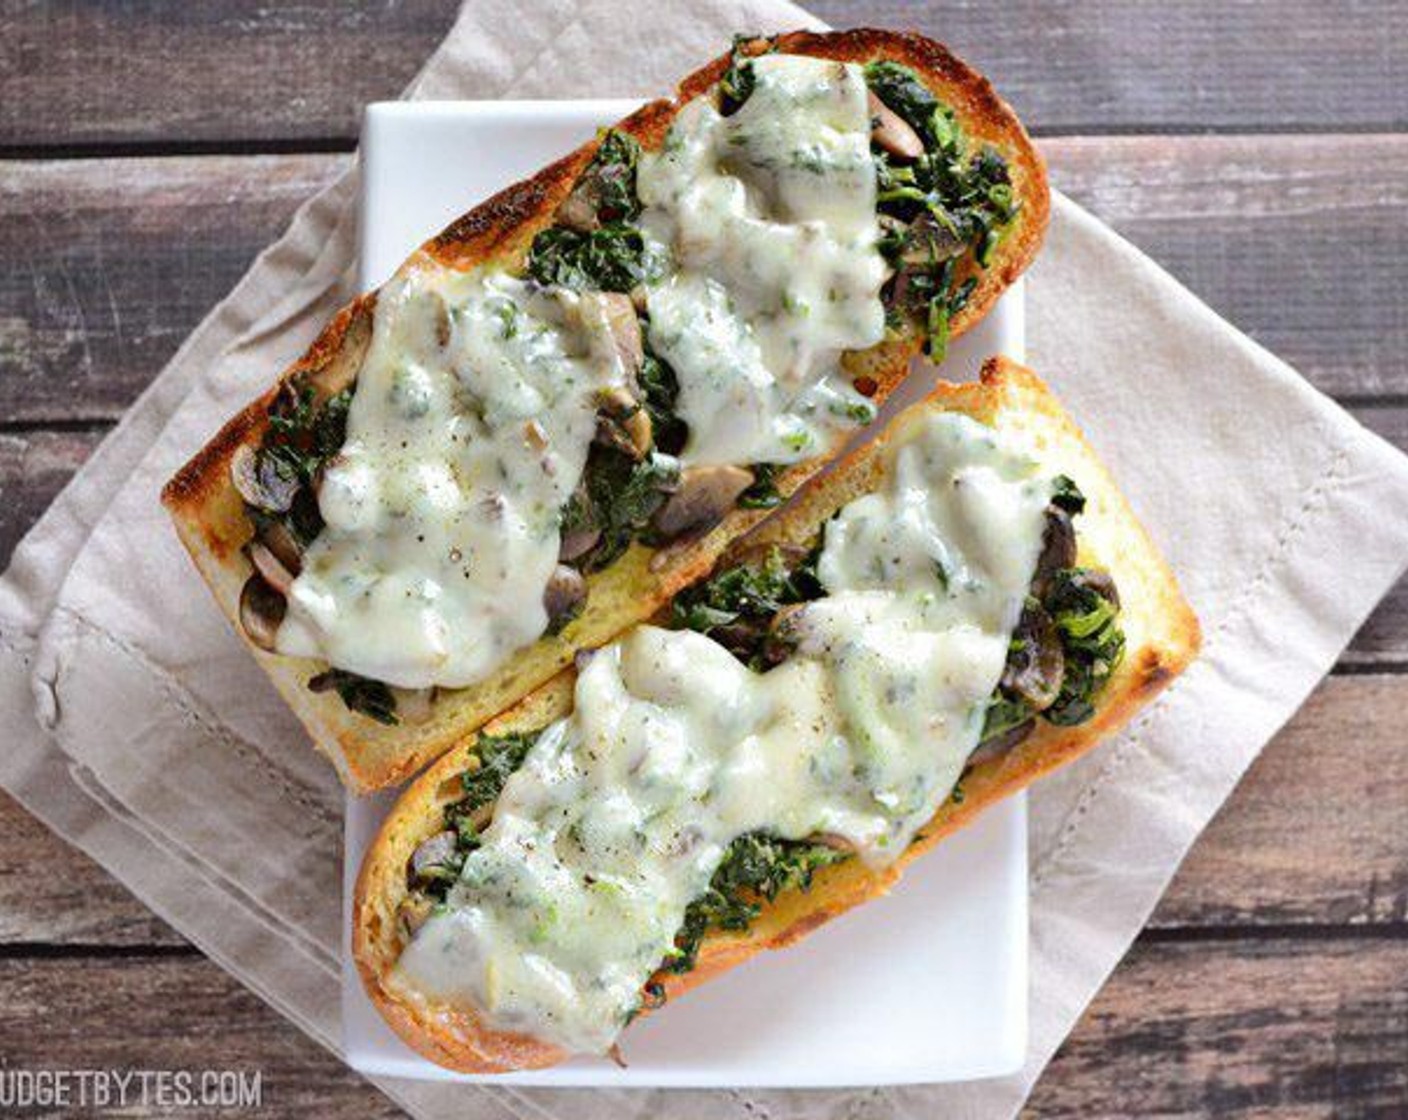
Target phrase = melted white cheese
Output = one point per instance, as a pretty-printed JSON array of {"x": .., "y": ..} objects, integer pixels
[
  {"x": 622, "y": 812},
  {"x": 473, "y": 412},
  {"x": 469, "y": 429},
  {"x": 768, "y": 219}
]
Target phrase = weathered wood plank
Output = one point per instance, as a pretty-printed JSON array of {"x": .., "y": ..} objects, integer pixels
[
  {"x": 170, "y": 1013},
  {"x": 119, "y": 259},
  {"x": 1264, "y": 1028},
  {"x": 114, "y": 261},
  {"x": 177, "y": 71},
  {"x": 1317, "y": 832},
  {"x": 52, "y": 894},
  {"x": 1383, "y": 640},
  {"x": 34, "y": 466},
  {"x": 1314, "y": 836},
  {"x": 1281, "y": 1028},
  {"x": 207, "y": 71},
  {"x": 1293, "y": 239}
]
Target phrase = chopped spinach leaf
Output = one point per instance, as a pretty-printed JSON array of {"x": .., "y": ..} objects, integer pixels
[
  {"x": 737, "y": 606},
  {"x": 1067, "y": 495},
  {"x": 661, "y": 389},
  {"x": 612, "y": 174},
  {"x": 756, "y": 868},
  {"x": 736, "y": 85},
  {"x": 617, "y": 498},
  {"x": 613, "y": 258},
  {"x": 763, "y": 493},
  {"x": 947, "y": 202}
]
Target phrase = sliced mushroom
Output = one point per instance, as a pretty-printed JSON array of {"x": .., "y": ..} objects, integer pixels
[
  {"x": 1102, "y": 583},
  {"x": 704, "y": 496},
  {"x": 614, "y": 315},
  {"x": 999, "y": 745},
  {"x": 433, "y": 853},
  {"x": 835, "y": 841},
  {"x": 1058, "y": 544},
  {"x": 262, "y": 610},
  {"x": 259, "y": 482},
  {"x": 341, "y": 370},
  {"x": 623, "y": 423},
  {"x": 412, "y": 914},
  {"x": 892, "y": 132},
  {"x": 1037, "y": 664},
  {"x": 931, "y": 241},
  {"x": 414, "y": 705},
  {"x": 578, "y": 209},
  {"x": 564, "y": 595},
  {"x": 577, "y": 543},
  {"x": 269, "y": 566},
  {"x": 278, "y": 538}
]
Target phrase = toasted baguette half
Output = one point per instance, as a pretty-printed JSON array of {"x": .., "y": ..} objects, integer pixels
[
  {"x": 1162, "y": 637},
  {"x": 210, "y": 516}
]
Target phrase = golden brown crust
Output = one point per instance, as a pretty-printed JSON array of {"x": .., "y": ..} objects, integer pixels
[
  {"x": 210, "y": 518},
  {"x": 1162, "y": 638}
]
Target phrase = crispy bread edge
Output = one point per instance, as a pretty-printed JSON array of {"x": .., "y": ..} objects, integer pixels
[
  {"x": 1164, "y": 638},
  {"x": 211, "y": 523}
]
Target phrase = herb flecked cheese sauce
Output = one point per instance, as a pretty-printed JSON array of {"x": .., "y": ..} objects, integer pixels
[
  {"x": 473, "y": 411},
  {"x": 622, "y": 812}
]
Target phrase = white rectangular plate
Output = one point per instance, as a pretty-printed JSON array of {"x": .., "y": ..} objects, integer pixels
[{"x": 928, "y": 984}]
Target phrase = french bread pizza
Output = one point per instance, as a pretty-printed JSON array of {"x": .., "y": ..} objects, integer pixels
[
  {"x": 563, "y": 408},
  {"x": 960, "y": 606}
]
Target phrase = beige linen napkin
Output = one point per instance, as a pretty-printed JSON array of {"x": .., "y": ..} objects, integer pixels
[{"x": 140, "y": 730}]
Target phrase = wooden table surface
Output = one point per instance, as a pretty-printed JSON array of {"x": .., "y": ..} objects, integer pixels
[{"x": 149, "y": 150}]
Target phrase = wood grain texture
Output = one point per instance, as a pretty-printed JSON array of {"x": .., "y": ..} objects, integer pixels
[
  {"x": 1317, "y": 832},
  {"x": 177, "y": 72},
  {"x": 1128, "y": 65},
  {"x": 51, "y": 894},
  {"x": 115, "y": 261},
  {"x": 119, "y": 259},
  {"x": 192, "y": 71},
  {"x": 1271, "y": 1028},
  {"x": 171, "y": 1013},
  {"x": 34, "y": 466}
]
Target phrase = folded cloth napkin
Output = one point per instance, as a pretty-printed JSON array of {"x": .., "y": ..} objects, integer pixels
[{"x": 141, "y": 731}]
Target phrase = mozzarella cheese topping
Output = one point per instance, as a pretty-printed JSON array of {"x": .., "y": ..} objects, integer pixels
[
  {"x": 622, "y": 812},
  {"x": 768, "y": 217},
  {"x": 473, "y": 411}
]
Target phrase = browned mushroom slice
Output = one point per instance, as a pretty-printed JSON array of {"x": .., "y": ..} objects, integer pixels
[
  {"x": 259, "y": 481},
  {"x": 623, "y": 423},
  {"x": 614, "y": 315},
  {"x": 835, "y": 841},
  {"x": 563, "y": 597},
  {"x": 269, "y": 566},
  {"x": 278, "y": 538},
  {"x": 411, "y": 914},
  {"x": 1058, "y": 544},
  {"x": 892, "y": 133},
  {"x": 930, "y": 241},
  {"x": 414, "y": 705},
  {"x": 999, "y": 745},
  {"x": 261, "y": 612},
  {"x": 704, "y": 496},
  {"x": 431, "y": 856},
  {"x": 578, "y": 209},
  {"x": 1101, "y": 582},
  {"x": 1036, "y": 664},
  {"x": 577, "y": 543}
]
